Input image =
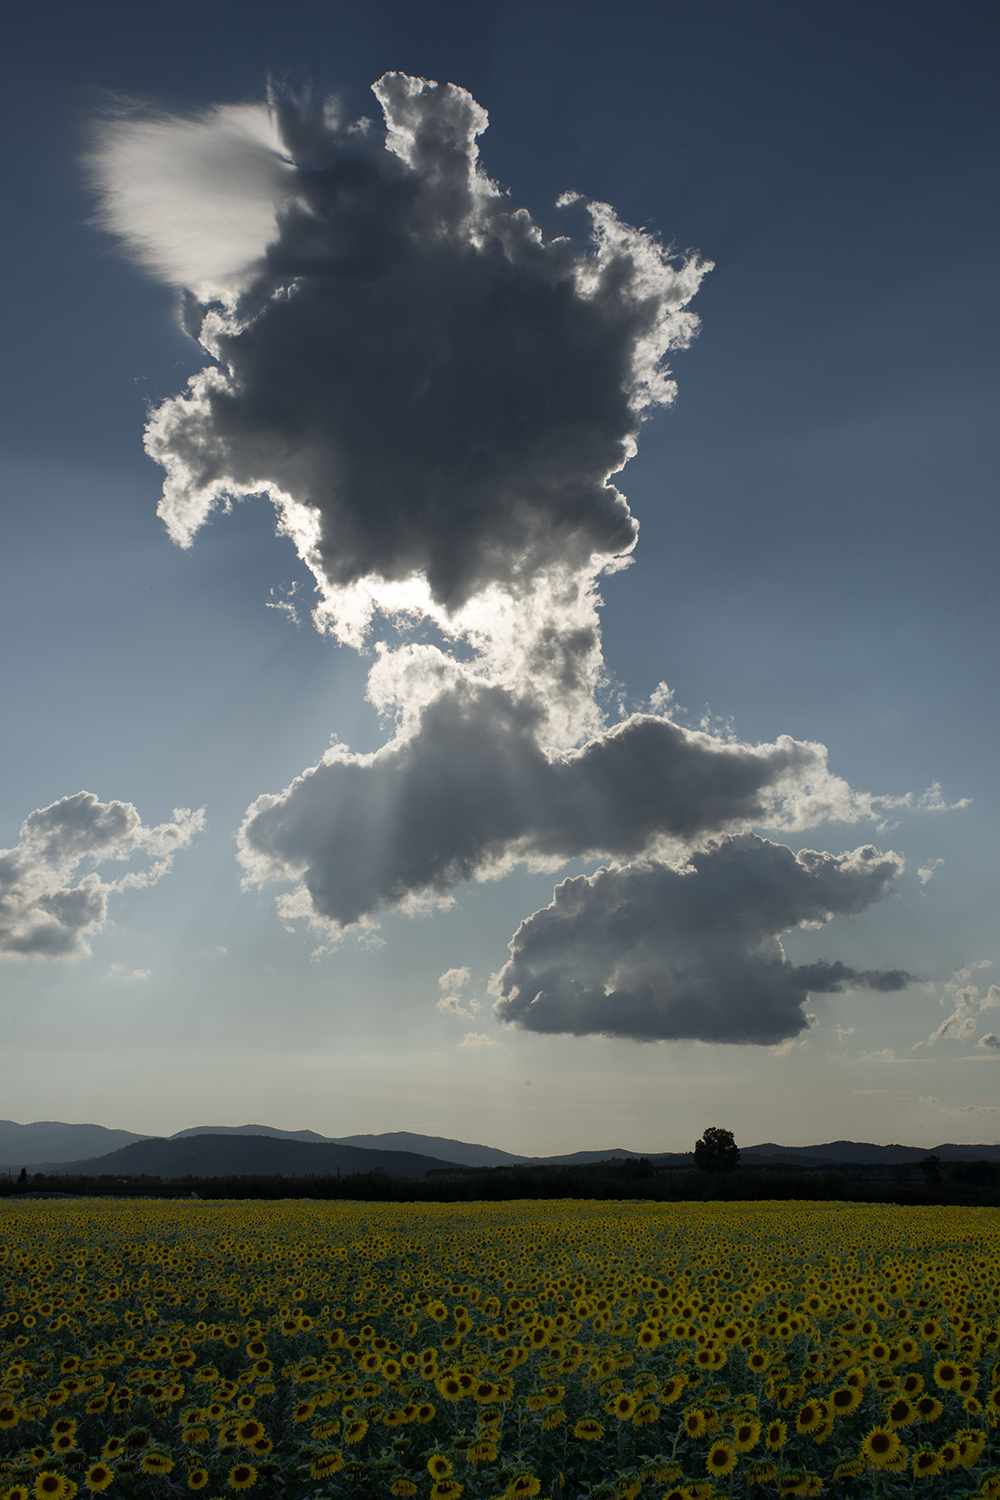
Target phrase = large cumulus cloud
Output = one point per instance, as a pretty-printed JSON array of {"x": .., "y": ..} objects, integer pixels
[
  {"x": 470, "y": 790},
  {"x": 427, "y": 387},
  {"x": 436, "y": 396},
  {"x": 653, "y": 951},
  {"x": 45, "y": 911}
]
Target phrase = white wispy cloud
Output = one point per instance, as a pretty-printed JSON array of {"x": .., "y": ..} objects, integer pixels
[{"x": 966, "y": 1003}]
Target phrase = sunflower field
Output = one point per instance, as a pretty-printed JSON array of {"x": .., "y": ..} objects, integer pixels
[{"x": 589, "y": 1350}]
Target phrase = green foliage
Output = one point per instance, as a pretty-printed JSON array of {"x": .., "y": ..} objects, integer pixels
[{"x": 717, "y": 1151}]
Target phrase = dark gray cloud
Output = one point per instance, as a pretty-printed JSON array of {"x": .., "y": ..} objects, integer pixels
[
  {"x": 435, "y": 397},
  {"x": 654, "y": 952},
  {"x": 469, "y": 789},
  {"x": 426, "y": 385},
  {"x": 43, "y": 913}
]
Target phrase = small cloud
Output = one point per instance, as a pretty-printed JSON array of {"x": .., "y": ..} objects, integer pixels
[
  {"x": 454, "y": 979},
  {"x": 926, "y": 871},
  {"x": 843, "y": 1032},
  {"x": 43, "y": 914},
  {"x": 966, "y": 1004},
  {"x": 451, "y": 1002},
  {"x": 990, "y": 1041},
  {"x": 474, "y": 1039},
  {"x": 285, "y": 607},
  {"x": 118, "y": 971},
  {"x": 932, "y": 801},
  {"x": 221, "y": 949}
]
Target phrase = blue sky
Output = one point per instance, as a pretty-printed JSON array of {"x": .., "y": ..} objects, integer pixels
[{"x": 815, "y": 559}]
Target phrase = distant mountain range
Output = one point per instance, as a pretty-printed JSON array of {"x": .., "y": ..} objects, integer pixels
[{"x": 252, "y": 1150}]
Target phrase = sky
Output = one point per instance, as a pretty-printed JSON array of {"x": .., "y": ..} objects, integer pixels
[{"x": 498, "y": 571}]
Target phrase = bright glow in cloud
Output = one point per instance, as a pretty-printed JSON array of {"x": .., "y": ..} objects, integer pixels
[
  {"x": 43, "y": 913},
  {"x": 196, "y": 200}
]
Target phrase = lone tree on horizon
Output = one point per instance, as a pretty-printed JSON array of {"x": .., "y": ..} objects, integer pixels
[{"x": 717, "y": 1151}]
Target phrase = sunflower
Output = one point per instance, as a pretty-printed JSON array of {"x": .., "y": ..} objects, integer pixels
[
  {"x": 879, "y": 1447},
  {"x": 197, "y": 1479},
  {"x": 439, "y": 1467},
  {"x": 970, "y": 1444},
  {"x": 928, "y": 1408},
  {"x": 721, "y": 1458},
  {"x": 403, "y": 1486},
  {"x": 355, "y": 1431},
  {"x": 242, "y": 1477},
  {"x": 49, "y": 1486},
  {"x": 948, "y": 1455},
  {"x": 556, "y": 1417},
  {"x": 482, "y": 1451},
  {"x": 761, "y": 1473},
  {"x": 622, "y": 1406},
  {"x": 446, "y": 1489},
  {"x": 777, "y": 1436},
  {"x": 746, "y": 1435},
  {"x": 810, "y": 1416},
  {"x": 946, "y": 1374},
  {"x": 589, "y": 1429},
  {"x": 901, "y": 1413},
  {"x": 156, "y": 1462},
  {"x": 523, "y": 1487},
  {"x": 800, "y": 1483},
  {"x": 926, "y": 1464},
  {"x": 329, "y": 1461},
  {"x": 696, "y": 1422},
  {"x": 97, "y": 1478},
  {"x": 324, "y": 1430}
]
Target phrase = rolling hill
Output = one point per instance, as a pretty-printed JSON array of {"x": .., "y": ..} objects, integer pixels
[
  {"x": 248, "y": 1156},
  {"x": 251, "y": 1150}
]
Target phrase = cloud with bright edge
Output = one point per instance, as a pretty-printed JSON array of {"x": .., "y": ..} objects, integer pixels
[
  {"x": 436, "y": 399},
  {"x": 45, "y": 911},
  {"x": 657, "y": 952}
]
